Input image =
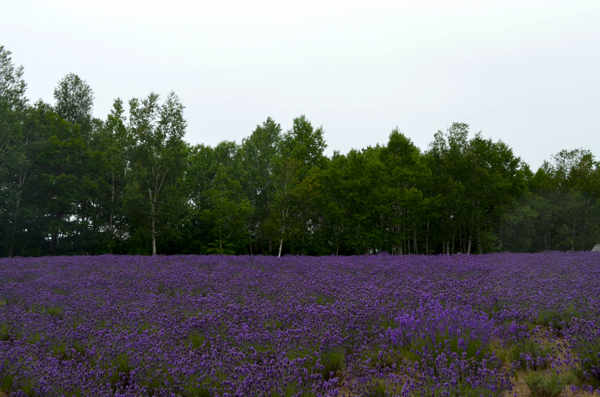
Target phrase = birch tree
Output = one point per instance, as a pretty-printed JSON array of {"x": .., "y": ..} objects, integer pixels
[{"x": 156, "y": 154}]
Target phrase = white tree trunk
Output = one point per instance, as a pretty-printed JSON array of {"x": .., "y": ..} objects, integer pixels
[
  {"x": 280, "y": 247},
  {"x": 153, "y": 221}
]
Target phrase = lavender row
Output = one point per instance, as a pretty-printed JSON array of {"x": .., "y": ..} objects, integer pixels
[{"x": 292, "y": 326}]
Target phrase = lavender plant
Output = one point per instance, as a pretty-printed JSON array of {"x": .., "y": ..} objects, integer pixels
[{"x": 293, "y": 326}]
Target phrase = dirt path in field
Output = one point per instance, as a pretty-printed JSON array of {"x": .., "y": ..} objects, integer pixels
[{"x": 522, "y": 390}]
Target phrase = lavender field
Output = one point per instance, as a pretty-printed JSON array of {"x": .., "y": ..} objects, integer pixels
[{"x": 487, "y": 325}]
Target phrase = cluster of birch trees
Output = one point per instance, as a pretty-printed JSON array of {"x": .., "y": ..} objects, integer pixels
[{"x": 129, "y": 184}]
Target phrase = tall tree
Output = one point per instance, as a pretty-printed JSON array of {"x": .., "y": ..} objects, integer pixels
[
  {"x": 300, "y": 151},
  {"x": 156, "y": 155},
  {"x": 228, "y": 211},
  {"x": 55, "y": 193},
  {"x": 12, "y": 100},
  {"x": 13, "y": 146},
  {"x": 113, "y": 139},
  {"x": 477, "y": 178},
  {"x": 74, "y": 101},
  {"x": 562, "y": 210},
  {"x": 258, "y": 153}
]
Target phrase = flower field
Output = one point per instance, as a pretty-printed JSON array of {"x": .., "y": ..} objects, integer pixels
[{"x": 482, "y": 325}]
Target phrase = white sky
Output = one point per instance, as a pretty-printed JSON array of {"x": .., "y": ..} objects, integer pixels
[{"x": 524, "y": 71}]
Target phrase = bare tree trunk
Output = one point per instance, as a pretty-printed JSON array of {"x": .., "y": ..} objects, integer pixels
[
  {"x": 251, "y": 240},
  {"x": 220, "y": 239},
  {"x": 14, "y": 228},
  {"x": 469, "y": 246},
  {"x": 280, "y": 247},
  {"x": 427, "y": 240},
  {"x": 153, "y": 220},
  {"x": 415, "y": 239},
  {"x": 112, "y": 204},
  {"x": 22, "y": 179}
]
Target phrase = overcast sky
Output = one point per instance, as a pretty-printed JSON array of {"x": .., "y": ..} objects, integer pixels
[{"x": 526, "y": 72}]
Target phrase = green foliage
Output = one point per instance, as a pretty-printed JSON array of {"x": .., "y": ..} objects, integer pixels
[
  {"x": 530, "y": 355},
  {"x": 474, "y": 348},
  {"x": 195, "y": 391},
  {"x": 60, "y": 351},
  {"x": 129, "y": 184},
  {"x": 7, "y": 382},
  {"x": 292, "y": 390},
  {"x": 4, "y": 333},
  {"x": 588, "y": 370},
  {"x": 377, "y": 389},
  {"x": 74, "y": 100},
  {"x": 35, "y": 338},
  {"x": 332, "y": 362},
  {"x": 54, "y": 311},
  {"x": 557, "y": 319},
  {"x": 120, "y": 371},
  {"x": 197, "y": 341},
  {"x": 65, "y": 352},
  {"x": 548, "y": 384},
  {"x": 220, "y": 247}
]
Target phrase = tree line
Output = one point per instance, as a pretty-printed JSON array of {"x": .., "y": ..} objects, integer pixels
[{"x": 129, "y": 184}]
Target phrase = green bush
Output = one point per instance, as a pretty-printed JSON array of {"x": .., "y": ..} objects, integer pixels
[
  {"x": 555, "y": 319},
  {"x": 532, "y": 349},
  {"x": 377, "y": 389},
  {"x": 332, "y": 362},
  {"x": 4, "y": 333},
  {"x": 589, "y": 364},
  {"x": 548, "y": 385}
]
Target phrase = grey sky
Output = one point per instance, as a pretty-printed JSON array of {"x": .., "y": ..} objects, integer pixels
[{"x": 526, "y": 72}]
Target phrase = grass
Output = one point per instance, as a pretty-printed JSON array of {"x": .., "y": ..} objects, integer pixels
[
  {"x": 4, "y": 333},
  {"x": 121, "y": 369},
  {"x": 333, "y": 363},
  {"x": 530, "y": 355},
  {"x": 291, "y": 390},
  {"x": 6, "y": 383},
  {"x": 548, "y": 384},
  {"x": 555, "y": 319},
  {"x": 589, "y": 364},
  {"x": 377, "y": 389},
  {"x": 196, "y": 341},
  {"x": 54, "y": 311}
]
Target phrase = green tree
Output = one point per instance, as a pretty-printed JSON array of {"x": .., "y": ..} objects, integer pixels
[
  {"x": 562, "y": 210},
  {"x": 300, "y": 152},
  {"x": 405, "y": 170},
  {"x": 74, "y": 101},
  {"x": 258, "y": 154},
  {"x": 476, "y": 179},
  {"x": 156, "y": 157},
  {"x": 227, "y": 211},
  {"x": 55, "y": 194},
  {"x": 13, "y": 146},
  {"x": 112, "y": 140}
]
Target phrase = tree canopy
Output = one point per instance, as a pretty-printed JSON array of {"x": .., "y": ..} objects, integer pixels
[{"x": 130, "y": 184}]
